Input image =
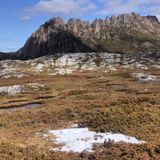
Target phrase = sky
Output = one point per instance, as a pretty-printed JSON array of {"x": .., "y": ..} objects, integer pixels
[{"x": 20, "y": 18}]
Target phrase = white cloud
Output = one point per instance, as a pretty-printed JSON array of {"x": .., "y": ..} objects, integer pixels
[
  {"x": 62, "y": 7},
  {"x": 126, "y": 6},
  {"x": 73, "y": 8}
]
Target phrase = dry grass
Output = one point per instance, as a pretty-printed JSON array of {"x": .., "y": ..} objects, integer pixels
[{"x": 103, "y": 102}]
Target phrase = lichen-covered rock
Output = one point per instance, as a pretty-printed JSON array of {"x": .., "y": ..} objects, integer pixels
[
  {"x": 71, "y": 62},
  {"x": 11, "y": 90},
  {"x": 144, "y": 77}
]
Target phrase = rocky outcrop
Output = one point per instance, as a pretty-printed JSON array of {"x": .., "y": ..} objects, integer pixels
[
  {"x": 126, "y": 33},
  {"x": 11, "y": 90},
  {"x": 69, "y": 63},
  {"x": 11, "y": 55}
]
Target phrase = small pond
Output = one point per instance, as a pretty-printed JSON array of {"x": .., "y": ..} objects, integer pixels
[{"x": 32, "y": 105}]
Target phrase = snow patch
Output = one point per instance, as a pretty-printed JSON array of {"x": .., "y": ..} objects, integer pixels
[{"x": 81, "y": 139}]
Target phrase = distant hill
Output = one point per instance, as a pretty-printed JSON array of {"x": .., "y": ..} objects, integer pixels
[
  {"x": 126, "y": 33},
  {"x": 11, "y": 55}
]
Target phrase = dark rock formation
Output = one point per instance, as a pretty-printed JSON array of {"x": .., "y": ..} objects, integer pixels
[
  {"x": 126, "y": 33},
  {"x": 10, "y": 55}
]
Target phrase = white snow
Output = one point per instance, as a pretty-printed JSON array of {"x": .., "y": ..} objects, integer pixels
[
  {"x": 144, "y": 77},
  {"x": 81, "y": 139},
  {"x": 11, "y": 90}
]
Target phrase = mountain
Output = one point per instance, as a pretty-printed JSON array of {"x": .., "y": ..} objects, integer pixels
[{"x": 126, "y": 33}]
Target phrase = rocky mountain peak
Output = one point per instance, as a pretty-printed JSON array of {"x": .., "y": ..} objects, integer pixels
[
  {"x": 54, "y": 22},
  {"x": 125, "y": 33}
]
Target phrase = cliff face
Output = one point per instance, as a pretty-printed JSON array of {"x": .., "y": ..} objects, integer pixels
[{"x": 126, "y": 33}]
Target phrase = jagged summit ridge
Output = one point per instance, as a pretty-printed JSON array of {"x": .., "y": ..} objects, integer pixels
[
  {"x": 103, "y": 28},
  {"x": 126, "y": 33}
]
